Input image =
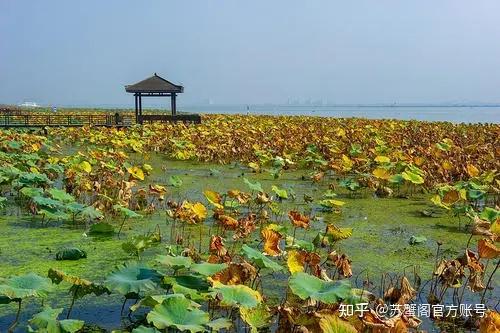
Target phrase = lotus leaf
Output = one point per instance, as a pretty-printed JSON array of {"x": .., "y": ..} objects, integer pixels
[
  {"x": 415, "y": 240},
  {"x": 308, "y": 286},
  {"x": 144, "y": 329},
  {"x": 214, "y": 198},
  {"x": 133, "y": 279},
  {"x": 256, "y": 187},
  {"x": 176, "y": 262},
  {"x": 412, "y": 177},
  {"x": 126, "y": 212},
  {"x": 46, "y": 321},
  {"x": 259, "y": 259},
  {"x": 219, "y": 324},
  {"x": 175, "y": 181},
  {"x": 177, "y": 311},
  {"x": 257, "y": 317},
  {"x": 281, "y": 193},
  {"x": 31, "y": 192},
  {"x": 237, "y": 295},
  {"x": 61, "y": 195},
  {"x": 101, "y": 228},
  {"x": 24, "y": 286},
  {"x": 333, "y": 324},
  {"x": 71, "y": 253},
  {"x": 208, "y": 269}
]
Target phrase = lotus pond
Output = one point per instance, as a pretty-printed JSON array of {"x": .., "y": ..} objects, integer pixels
[{"x": 172, "y": 228}]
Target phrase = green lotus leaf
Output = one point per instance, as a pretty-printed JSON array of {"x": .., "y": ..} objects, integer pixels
[
  {"x": 75, "y": 207},
  {"x": 259, "y": 259},
  {"x": 300, "y": 244},
  {"x": 133, "y": 278},
  {"x": 350, "y": 184},
  {"x": 196, "y": 282},
  {"x": 149, "y": 301},
  {"x": 257, "y": 187},
  {"x": 53, "y": 214},
  {"x": 208, "y": 269},
  {"x": 102, "y": 228},
  {"x": 31, "y": 192},
  {"x": 46, "y": 321},
  {"x": 490, "y": 214},
  {"x": 45, "y": 202},
  {"x": 415, "y": 240},
  {"x": 33, "y": 179},
  {"x": 358, "y": 296},
  {"x": 331, "y": 203},
  {"x": 412, "y": 177},
  {"x": 91, "y": 213},
  {"x": 61, "y": 195},
  {"x": 220, "y": 323},
  {"x": 175, "y": 181},
  {"x": 24, "y": 286},
  {"x": 177, "y": 311},
  {"x": 125, "y": 212},
  {"x": 54, "y": 168},
  {"x": 308, "y": 286},
  {"x": 476, "y": 194},
  {"x": 281, "y": 193},
  {"x": 71, "y": 253},
  {"x": 237, "y": 295},
  {"x": 10, "y": 171},
  {"x": 144, "y": 329},
  {"x": 192, "y": 294},
  {"x": 175, "y": 262},
  {"x": 258, "y": 317}
]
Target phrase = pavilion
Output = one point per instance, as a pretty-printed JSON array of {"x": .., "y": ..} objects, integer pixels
[{"x": 156, "y": 86}]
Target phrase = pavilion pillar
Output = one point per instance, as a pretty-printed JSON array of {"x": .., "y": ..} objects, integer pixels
[
  {"x": 173, "y": 103},
  {"x": 136, "y": 109},
  {"x": 140, "y": 108}
]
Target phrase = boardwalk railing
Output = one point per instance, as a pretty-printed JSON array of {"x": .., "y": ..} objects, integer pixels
[{"x": 66, "y": 120}]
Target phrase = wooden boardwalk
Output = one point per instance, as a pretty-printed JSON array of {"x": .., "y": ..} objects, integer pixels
[{"x": 77, "y": 120}]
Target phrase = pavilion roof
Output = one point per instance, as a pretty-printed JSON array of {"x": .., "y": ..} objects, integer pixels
[{"x": 154, "y": 84}]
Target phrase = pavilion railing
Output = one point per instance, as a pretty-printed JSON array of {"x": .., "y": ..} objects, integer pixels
[{"x": 185, "y": 118}]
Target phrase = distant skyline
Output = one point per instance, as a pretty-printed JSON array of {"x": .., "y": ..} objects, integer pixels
[{"x": 240, "y": 52}]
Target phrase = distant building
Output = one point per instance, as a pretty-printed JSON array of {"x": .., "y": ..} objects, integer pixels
[{"x": 29, "y": 105}]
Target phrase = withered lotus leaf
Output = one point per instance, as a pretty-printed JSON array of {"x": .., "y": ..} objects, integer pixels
[
  {"x": 342, "y": 262},
  {"x": 299, "y": 220},
  {"x": 487, "y": 250},
  {"x": 271, "y": 242},
  {"x": 490, "y": 323},
  {"x": 236, "y": 273}
]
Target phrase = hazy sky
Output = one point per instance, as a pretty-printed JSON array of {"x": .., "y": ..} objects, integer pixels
[{"x": 260, "y": 51}]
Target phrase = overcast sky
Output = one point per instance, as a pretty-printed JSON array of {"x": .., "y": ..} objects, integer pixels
[{"x": 245, "y": 52}]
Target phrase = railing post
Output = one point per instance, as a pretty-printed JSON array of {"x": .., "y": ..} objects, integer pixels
[{"x": 25, "y": 120}]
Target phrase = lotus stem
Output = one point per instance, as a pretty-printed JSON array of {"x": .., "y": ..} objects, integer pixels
[
  {"x": 16, "y": 320},
  {"x": 121, "y": 226},
  {"x": 294, "y": 230},
  {"x": 489, "y": 281},
  {"x": 72, "y": 301},
  {"x": 123, "y": 305}
]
